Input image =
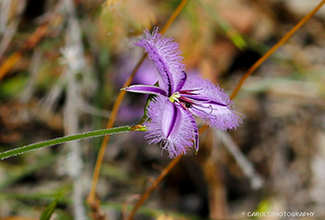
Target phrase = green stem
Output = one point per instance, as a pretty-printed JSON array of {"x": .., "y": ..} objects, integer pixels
[{"x": 61, "y": 140}]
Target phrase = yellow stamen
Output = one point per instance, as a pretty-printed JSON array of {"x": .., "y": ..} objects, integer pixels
[{"x": 174, "y": 97}]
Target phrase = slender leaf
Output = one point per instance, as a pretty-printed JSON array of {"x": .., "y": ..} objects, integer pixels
[
  {"x": 49, "y": 210},
  {"x": 56, "y": 141}
]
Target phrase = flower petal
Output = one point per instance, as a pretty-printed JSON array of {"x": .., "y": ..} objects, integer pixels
[
  {"x": 216, "y": 116},
  {"x": 170, "y": 125},
  {"x": 210, "y": 103},
  {"x": 165, "y": 55},
  {"x": 195, "y": 131},
  {"x": 182, "y": 80},
  {"x": 146, "y": 89}
]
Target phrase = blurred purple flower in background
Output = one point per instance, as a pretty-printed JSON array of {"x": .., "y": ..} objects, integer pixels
[
  {"x": 132, "y": 109},
  {"x": 170, "y": 113}
]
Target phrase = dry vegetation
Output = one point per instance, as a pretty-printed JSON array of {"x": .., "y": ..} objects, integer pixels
[{"x": 63, "y": 62}]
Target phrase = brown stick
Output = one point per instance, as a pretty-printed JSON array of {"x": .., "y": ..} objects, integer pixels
[
  {"x": 39, "y": 33},
  {"x": 145, "y": 196},
  {"x": 274, "y": 48},
  {"x": 30, "y": 43}
]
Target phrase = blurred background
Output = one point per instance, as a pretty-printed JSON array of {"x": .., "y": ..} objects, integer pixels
[{"x": 63, "y": 62}]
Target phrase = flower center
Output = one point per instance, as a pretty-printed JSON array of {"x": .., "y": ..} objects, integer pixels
[{"x": 174, "y": 97}]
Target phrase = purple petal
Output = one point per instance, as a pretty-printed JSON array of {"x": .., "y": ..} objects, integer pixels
[
  {"x": 165, "y": 55},
  {"x": 195, "y": 131},
  {"x": 172, "y": 121},
  {"x": 146, "y": 89},
  {"x": 182, "y": 80},
  {"x": 170, "y": 125},
  {"x": 217, "y": 116},
  {"x": 211, "y": 103}
]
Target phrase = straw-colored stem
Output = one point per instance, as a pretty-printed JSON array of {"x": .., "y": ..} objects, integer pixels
[
  {"x": 173, "y": 16},
  {"x": 274, "y": 48},
  {"x": 38, "y": 35},
  {"x": 154, "y": 185}
]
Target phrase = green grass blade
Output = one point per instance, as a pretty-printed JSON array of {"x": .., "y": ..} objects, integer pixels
[
  {"x": 61, "y": 140},
  {"x": 49, "y": 210}
]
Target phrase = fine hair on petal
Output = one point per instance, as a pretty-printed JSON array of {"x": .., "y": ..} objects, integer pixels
[{"x": 174, "y": 144}]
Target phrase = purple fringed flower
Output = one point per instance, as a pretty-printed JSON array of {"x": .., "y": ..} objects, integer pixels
[{"x": 179, "y": 98}]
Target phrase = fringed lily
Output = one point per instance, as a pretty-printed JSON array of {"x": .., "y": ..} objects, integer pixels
[{"x": 170, "y": 113}]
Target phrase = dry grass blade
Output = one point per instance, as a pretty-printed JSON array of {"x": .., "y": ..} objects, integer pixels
[
  {"x": 39, "y": 33},
  {"x": 275, "y": 47},
  {"x": 154, "y": 185},
  {"x": 256, "y": 180},
  {"x": 126, "y": 202},
  {"x": 173, "y": 16}
]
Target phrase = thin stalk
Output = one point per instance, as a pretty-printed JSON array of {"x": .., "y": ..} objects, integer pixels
[
  {"x": 66, "y": 139},
  {"x": 145, "y": 196},
  {"x": 173, "y": 16},
  {"x": 35, "y": 38},
  {"x": 275, "y": 47}
]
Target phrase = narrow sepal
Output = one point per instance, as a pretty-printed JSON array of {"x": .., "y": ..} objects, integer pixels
[{"x": 146, "y": 89}]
